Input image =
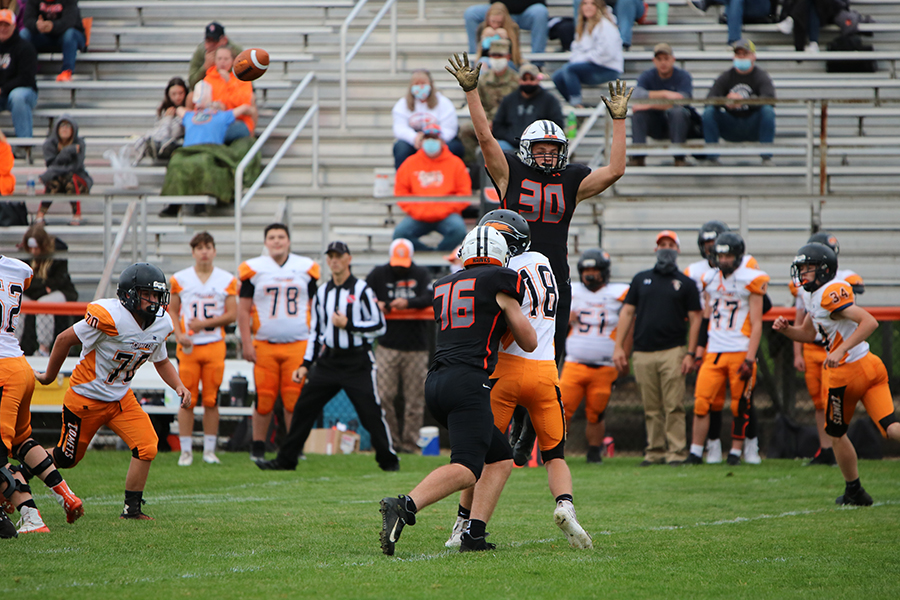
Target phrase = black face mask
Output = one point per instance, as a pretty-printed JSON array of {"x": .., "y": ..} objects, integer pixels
[
  {"x": 528, "y": 88},
  {"x": 592, "y": 282},
  {"x": 666, "y": 261}
]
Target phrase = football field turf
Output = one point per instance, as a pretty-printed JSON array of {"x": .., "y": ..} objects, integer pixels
[{"x": 232, "y": 531}]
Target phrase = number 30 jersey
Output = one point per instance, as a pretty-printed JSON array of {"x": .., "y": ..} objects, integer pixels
[
  {"x": 593, "y": 338},
  {"x": 729, "y": 299},
  {"x": 281, "y": 294},
  {"x": 203, "y": 300},
  {"x": 15, "y": 277},
  {"x": 113, "y": 348},
  {"x": 540, "y": 298}
]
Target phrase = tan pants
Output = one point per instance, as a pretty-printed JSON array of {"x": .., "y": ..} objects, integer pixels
[
  {"x": 659, "y": 378},
  {"x": 398, "y": 368}
]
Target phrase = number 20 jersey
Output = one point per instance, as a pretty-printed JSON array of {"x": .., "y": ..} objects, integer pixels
[
  {"x": 539, "y": 302},
  {"x": 593, "y": 338},
  {"x": 15, "y": 277},
  {"x": 281, "y": 295},
  {"x": 113, "y": 348}
]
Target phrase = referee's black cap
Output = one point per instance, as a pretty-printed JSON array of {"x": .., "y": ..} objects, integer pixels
[{"x": 337, "y": 246}]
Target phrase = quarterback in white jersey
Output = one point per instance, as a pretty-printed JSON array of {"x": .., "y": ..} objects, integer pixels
[
  {"x": 735, "y": 298},
  {"x": 589, "y": 371},
  {"x": 530, "y": 379},
  {"x": 117, "y": 337},
  {"x": 204, "y": 299},
  {"x": 273, "y": 312}
]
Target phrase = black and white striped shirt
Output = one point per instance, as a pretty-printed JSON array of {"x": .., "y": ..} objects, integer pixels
[{"x": 353, "y": 298}]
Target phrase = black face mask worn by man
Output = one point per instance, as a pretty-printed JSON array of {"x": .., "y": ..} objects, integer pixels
[
  {"x": 529, "y": 89},
  {"x": 666, "y": 260}
]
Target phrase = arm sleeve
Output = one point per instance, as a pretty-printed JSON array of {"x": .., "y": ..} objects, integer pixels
[
  {"x": 402, "y": 130},
  {"x": 247, "y": 289},
  {"x": 509, "y": 282},
  {"x": 372, "y": 327},
  {"x": 447, "y": 118},
  {"x": 703, "y": 336},
  {"x": 312, "y": 347}
]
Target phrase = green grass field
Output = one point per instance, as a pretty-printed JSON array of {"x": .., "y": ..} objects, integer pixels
[{"x": 232, "y": 531}]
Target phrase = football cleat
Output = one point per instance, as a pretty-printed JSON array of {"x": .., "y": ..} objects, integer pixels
[
  {"x": 31, "y": 521},
  {"x": 733, "y": 459},
  {"x": 825, "y": 456},
  {"x": 692, "y": 459},
  {"x": 394, "y": 517},
  {"x": 467, "y": 543},
  {"x": 458, "y": 528},
  {"x": 71, "y": 503},
  {"x": 210, "y": 458},
  {"x": 593, "y": 455},
  {"x": 7, "y": 528},
  {"x": 751, "y": 451},
  {"x": 565, "y": 518},
  {"x": 135, "y": 514},
  {"x": 273, "y": 465},
  {"x": 859, "y": 498},
  {"x": 6, "y": 506},
  {"x": 713, "y": 452},
  {"x": 186, "y": 459}
]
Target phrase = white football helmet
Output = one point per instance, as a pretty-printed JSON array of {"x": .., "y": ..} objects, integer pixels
[
  {"x": 484, "y": 246},
  {"x": 544, "y": 131}
]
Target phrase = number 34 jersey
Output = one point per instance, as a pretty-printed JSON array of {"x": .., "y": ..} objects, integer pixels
[
  {"x": 729, "y": 299},
  {"x": 113, "y": 348},
  {"x": 831, "y": 298},
  {"x": 541, "y": 297},
  {"x": 203, "y": 300},
  {"x": 593, "y": 338},
  {"x": 281, "y": 296}
]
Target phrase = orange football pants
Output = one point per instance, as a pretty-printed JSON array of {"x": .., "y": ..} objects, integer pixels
[
  {"x": 205, "y": 366},
  {"x": 718, "y": 369},
  {"x": 866, "y": 380},
  {"x": 16, "y": 386},
  {"x": 272, "y": 373},
  {"x": 533, "y": 384},
  {"x": 579, "y": 381},
  {"x": 814, "y": 356}
]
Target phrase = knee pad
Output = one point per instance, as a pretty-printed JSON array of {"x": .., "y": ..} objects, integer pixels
[
  {"x": 12, "y": 485},
  {"x": 835, "y": 429},
  {"x": 62, "y": 460},
  {"x": 557, "y": 451},
  {"x": 29, "y": 471}
]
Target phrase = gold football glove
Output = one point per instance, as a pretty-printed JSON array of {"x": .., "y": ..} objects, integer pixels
[
  {"x": 617, "y": 104},
  {"x": 465, "y": 74}
]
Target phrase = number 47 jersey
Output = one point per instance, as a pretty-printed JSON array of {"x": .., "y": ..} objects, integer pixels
[{"x": 113, "y": 348}]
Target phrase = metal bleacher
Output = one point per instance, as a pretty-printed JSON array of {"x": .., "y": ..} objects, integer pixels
[{"x": 137, "y": 45}]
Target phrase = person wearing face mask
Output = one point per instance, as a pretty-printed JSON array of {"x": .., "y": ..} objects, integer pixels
[
  {"x": 588, "y": 372},
  {"x": 433, "y": 171},
  {"x": 529, "y": 103},
  {"x": 738, "y": 122},
  {"x": 422, "y": 105},
  {"x": 664, "y": 305},
  {"x": 401, "y": 357}
]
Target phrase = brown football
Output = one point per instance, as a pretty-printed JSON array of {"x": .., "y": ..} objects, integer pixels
[{"x": 251, "y": 64}]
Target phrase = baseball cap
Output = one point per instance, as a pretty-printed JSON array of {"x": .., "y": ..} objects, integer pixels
[
  {"x": 499, "y": 47},
  {"x": 214, "y": 31},
  {"x": 668, "y": 233},
  {"x": 337, "y": 246},
  {"x": 529, "y": 69},
  {"x": 8, "y": 16},
  {"x": 401, "y": 253},
  {"x": 662, "y": 48},
  {"x": 744, "y": 44}
]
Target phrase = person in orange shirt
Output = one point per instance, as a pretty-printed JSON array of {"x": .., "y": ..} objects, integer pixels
[
  {"x": 7, "y": 179},
  {"x": 432, "y": 171},
  {"x": 230, "y": 92}
]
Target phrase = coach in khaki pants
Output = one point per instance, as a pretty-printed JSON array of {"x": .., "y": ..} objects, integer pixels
[{"x": 664, "y": 306}]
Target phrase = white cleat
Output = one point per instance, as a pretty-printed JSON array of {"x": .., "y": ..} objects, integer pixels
[
  {"x": 186, "y": 459},
  {"x": 458, "y": 528},
  {"x": 713, "y": 452},
  {"x": 751, "y": 451},
  {"x": 31, "y": 521},
  {"x": 210, "y": 458},
  {"x": 565, "y": 518}
]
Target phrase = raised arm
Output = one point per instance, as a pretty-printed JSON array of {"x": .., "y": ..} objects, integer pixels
[{"x": 602, "y": 178}]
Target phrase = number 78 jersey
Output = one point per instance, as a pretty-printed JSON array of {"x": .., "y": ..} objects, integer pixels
[
  {"x": 281, "y": 294},
  {"x": 113, "y": 348},
  {"x": 538, "y": 305}
]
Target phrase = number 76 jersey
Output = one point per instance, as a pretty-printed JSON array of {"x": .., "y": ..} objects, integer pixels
[{"x": 113, "y": 348}]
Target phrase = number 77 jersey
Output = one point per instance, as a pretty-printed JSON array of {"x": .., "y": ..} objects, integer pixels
[{"x": 113, "y": 348}]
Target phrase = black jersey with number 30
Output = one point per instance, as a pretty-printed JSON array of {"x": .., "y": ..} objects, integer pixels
[
  {"x": 470, "y": 322},
  {"x": 547, "y": 202}
]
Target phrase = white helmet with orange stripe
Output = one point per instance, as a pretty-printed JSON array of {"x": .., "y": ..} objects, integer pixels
[
  {"x": 544, "y": 131},
  {"x": 484, "y": 246}
]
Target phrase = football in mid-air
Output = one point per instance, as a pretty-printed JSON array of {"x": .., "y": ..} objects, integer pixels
[{"x": 251, "y": 64}]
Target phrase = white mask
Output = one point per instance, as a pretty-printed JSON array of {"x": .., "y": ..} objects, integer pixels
[{"x": 498, "y": 65}]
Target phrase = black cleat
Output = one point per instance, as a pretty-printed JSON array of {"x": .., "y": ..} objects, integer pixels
[
  {"x": 693, "y": 459},
  {"x": 394, "y": 466},
  {"x": 525, "y": 443},
  {"x": 825, "y": 456},
  {"x": 135, "y": 515},
  {"x": 394, "y": 517},
  {"x": 7, "y": 527},
  {"x": 273, "y": 465},
  {"x": 467, "y": 543},
  {"x": 733, "y": 459},
  {"x": 858, "y": 498},
  {"x": 593, "y": 455}
]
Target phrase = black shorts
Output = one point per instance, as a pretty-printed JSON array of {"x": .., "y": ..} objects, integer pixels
[{"x": 459, "y": 397}]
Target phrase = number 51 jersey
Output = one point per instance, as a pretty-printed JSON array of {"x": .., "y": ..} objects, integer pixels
[{"x": 113, "y": 348}]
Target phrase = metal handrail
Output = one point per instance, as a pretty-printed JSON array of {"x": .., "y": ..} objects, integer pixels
[
  {"x": 347, "y": 57},
  {"x": 241, "y": 199},
  {"x": 110, "y": 265}
]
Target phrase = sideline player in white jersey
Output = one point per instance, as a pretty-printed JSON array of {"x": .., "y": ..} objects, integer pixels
[
  {"x": 852, "y": 373},
  {"x": 589, "y": 371},
  {"x": 117, "y": 337},
  {"x": 276, "y": 291},
  {"x": 810, "y": 358},
  {"x": 204, "y": 299},
  {"x": 706, "y": 242},
  {"x": 16, "y": 387},
  {"x": 735, "y": 295},
  {"x": 529, "y": 379}
]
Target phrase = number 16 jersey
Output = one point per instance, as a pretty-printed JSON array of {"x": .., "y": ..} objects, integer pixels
[{"x": 113, "y": 348}]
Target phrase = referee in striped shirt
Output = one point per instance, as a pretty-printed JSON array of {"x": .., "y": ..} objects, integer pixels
[{"x": 345, "y": 317}]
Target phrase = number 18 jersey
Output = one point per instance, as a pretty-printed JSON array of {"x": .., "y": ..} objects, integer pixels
[
  {"x": 540, "y": 298},
  {"x": 113, "y": 348}
]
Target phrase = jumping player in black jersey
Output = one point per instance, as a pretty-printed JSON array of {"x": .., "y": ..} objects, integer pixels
[{"x": 473, "y": 309}]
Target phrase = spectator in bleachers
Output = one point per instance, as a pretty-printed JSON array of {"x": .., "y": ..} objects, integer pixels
[
  {"x": 498, "y": 82},
  {"x": 523, "y": 107},
  {"x": 528, "y": 14},
  {"x": 65, "y": 174},
  {"x": 661, "y": 121},
  {"x": 7, "y": 179},
  {"x": 18, "y": 90},
  {"x": 205, "y": 55},
  {"x": 741, "y": 122},
  {"x": 228, "y": 92},
  {"x": 596, "y": 52},
  {"x": 498, "y": 25},
  {"x": 422, "y": 105},
  {"x": 627, "y": 13},
  {"x": 51, "y": 283},
  {"x": 168, "y": 132},
  {"x": 55, "y": 26},
  {"x": 433, "y": 171},
  {"x": 737, "y": 13}
]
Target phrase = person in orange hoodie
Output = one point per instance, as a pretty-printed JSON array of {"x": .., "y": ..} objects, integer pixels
[
  {"x": 7, "y": 179},
  {"x": 433, "y": 171},
  {"x": 230, "y": 92}
]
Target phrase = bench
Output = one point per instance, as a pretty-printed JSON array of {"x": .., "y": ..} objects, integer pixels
[
  {"x": 152, "y": 87},
  {"x": 238, "y": 32},
  {"x": 206, "y": 6}
]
